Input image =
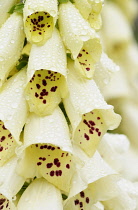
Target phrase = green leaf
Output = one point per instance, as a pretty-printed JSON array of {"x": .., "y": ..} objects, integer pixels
[
  {"x": 23, "y": 61},
  {"x": 64, "y": 197},
  {"x": 63, "y": 1},
  {"x": 61, "y": 105},
  {"x": 17, "y": 8}
]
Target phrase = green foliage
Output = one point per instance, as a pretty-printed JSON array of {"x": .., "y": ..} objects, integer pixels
[
  {"x": 23, "y": 61},
  {"x": 64, "y": 1},
  {"x": 64, "y": 197},
  {"x": 17, "y": 8}
]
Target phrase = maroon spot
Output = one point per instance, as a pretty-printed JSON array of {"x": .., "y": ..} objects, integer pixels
[
  {"x": 53, "y": 89},
  {"x": 90, "y": 131},
  {"x": 68, "y": 166},
  {"x": 2, "y": 138},
  {"x": 92, "y": 123},
  {"x": 62, "y": 155},
  {"x": 87, "y": 200},
  {"x": 2, "y": 200},
  {"x": 57, "y": 173},
  {"x": 36, "y": 145},
  {"x": 44, "y": 82},
  {"x": 80, "y": 55},
  {"x": 58, "y": 164},
  {"x": 53, "y": 148},
  {"x": 49, "y": 165},
  {"x": 38, "y": 86},
  {"x": 49, "y": 147},
  {"x": 86, "y": 137},
  {"x": 76, "y": 202},
  {"x": 97, "y": 129},
  {"x": 36, "y": 95},
  {"x": 9, "y": 135},
  {"x": 41, "y": 147},
  {"x": 87, "y": 69},
  {"x": 56, "y": 160},
  {"x": 51, "y": 173},
  {"x": 45, "y": 146},
  {"x": 99, "y": 133},
  {"x": 39, "y": 75},
  {"x": 44, "y": 159},
  {"x": 48, "y": 26},
  {"x": 40, "y": 33},
  {"x": 4, "y": 127},
  {"x": 1, "y": 148},
  {"x": 60, "y": 172},
  {"x": 98, "y": 118},
  {"x": 82, "y": 194},
  {"x": 81, "y": 204},
  {"x": 39, "y": 163},
  {"x": 44, "y": 101}
]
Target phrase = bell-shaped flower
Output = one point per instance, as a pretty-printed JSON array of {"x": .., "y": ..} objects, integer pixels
[
  {"x": 116, "y": 36},
  {"x": 112, "y": 149},
  {"x": 93, "y": 182},
  {"x": 11, "y": 44},
  {"x": 46, "y": 76},
  {"x": 5, "y": 6},
  {"x": 80, "y": 39},
  {"x": 89, "y": 114},
  {"x": 13, "y": 115},
  {"x": 126, "y": 199},
  {"x": 40, "y": 194},
  {"x": 10, "y": 184},
  {"x": 47, "y": 150},
  {"x": 39, "y": 20},
  {"x": 90, "y": 10},
  {"x": 104, "y": 71}
]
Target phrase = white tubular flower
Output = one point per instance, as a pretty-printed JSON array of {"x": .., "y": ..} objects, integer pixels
[
  {"x": 46, "y": 76},
  {"x": 80, "y": 39},
  {"x": 40, "y": 195},
  {"x": 116, "y": 36},
  {"x": 95, "y": 181},
  {"x": 129, "y": 124},
  {"x": 13, "y": 114},
  {"x": 112, "y": 148},
  {"x": 89, "y": 114},
  {"x": 90, "y": 10},
  {"x": 10, "y": 181},
  {"x": 118, "y": 86},
  {"x": 126, "y": 198},
  {"x": 104, "y": 70},
  {"x": 47, "y": 150},
  {"x": 129, "y": 7},
  {"x": 39, "y": 20},
  {"x": 11, "y": 44},
  {"x": 5, "y": 6}
]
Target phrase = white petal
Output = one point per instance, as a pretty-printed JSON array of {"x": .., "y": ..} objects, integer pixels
[
  {"x": 39, "y": 20},
  {"x": 5, "y": 6},
  {"x": 47, "y": 150},
  {"x": 10, "y": 181},
  {"x": 112, "y": 148},
  {"x": 88, "y": 112},
  {"x": 104, "y": 70},
  {"x": 74, "y": 29},
  {"x": 13, "y": 115},
  {"x": 40, "y": 195},
  {"x": 45, "y": 60},
  {"x": 11, "y": 44}
]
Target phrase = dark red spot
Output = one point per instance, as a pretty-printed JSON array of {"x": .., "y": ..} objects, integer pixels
[
  {"x": 1, "y": 148},
  {"x": 51, "y": 173},
  {"x": 49, "y": 147},
  {"x": 76, "y": 202},
  {"x": 56, "y": 160},
  {"x": 39, "y": 163},
  {"x": 87, "y": 200},
  {"x": 60, "y": 172},
  {"x": 98, "y": 118},
  {"x": 92, "y": 123},
  {"x": 39, "y": 75},
  {"x": 44, "y": 82},
  {"x": 86, "y": 137},
  {"x": 53, "y": 89},
  {"x": 82, "y": 194},
  {"x": 81, "y": 204},
  {"x": 68, "y": 166},
  {"x": 87, "y": 69},
  {"x": 49, "y": 165},
  {"x": 80, "y": 55},
  {"x": 97, "y": 129},
  {"x": 2, "y": 138},
  {"x": 36, "y": 95},
  {"x": 99, "y": 133},
  {"x": 38, "y": 86},
  {"x": 44, "y": 101},
  {"x": 45, "y": 146},
  {"x": 41, "y": 147}
]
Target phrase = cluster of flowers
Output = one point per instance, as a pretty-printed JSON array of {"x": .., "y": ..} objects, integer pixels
[{"x": 55, "y": 152}]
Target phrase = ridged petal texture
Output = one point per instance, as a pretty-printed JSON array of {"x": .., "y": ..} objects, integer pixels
[
  {"x": 11, "y": 44},
  {"x": 46, "y": 75},
  {"x": 39, "y": 20},
  {"x": 47, "y": 151},
  {"x": 13, "y": 114},
  {"x": 45, "y": 197},
  {"x": 5, "y": 6},
  {"x": 89, "y": 114}
]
